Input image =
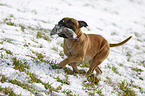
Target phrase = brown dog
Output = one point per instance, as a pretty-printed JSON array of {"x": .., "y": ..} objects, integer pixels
[{"x": 91, "y": 47}]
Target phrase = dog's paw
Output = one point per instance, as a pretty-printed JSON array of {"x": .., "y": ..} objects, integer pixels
[
  {"x": 60, "y": 67},
  {"x": 93, "y": 79}
]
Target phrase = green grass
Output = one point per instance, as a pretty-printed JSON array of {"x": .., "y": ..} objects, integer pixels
[
  {"x": 61, "y": 54},
  {"x": 22, "y": 27},
  {"x": 114, "y": 69},
  {"x": 3, "y": 79},
  {"x": 142, "y": 63},
  {"x": 68, "y": 93},
  {"x": 7, "y": 40},
  {"x": 51, "y": 89},
  {"x": 7, "y": 51},
  {"x": 29, "y": 87},
  {"x": 8, "y": 21},
  {"x": 43, "y": 35},
  {"x": 137, "y": 70},
  {"x": 18, "y": 65},
  {"x": 4, "y": 5},
  {"x": 40, "y": 57},
  {"x": 91, "y": 87},
  {"x": 84, "y": 64},
  {"x": 63, "y": 81},
  {"x": 124, "y": 88},
  {"x": 8, "y": 91},
  {"x": 127, "y": 91}
]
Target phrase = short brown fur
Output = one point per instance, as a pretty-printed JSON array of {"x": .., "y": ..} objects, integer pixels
[{"x": 91, "y": 47}]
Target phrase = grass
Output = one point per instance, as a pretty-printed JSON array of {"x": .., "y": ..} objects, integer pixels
[
  {"x": 3, "y": 79},
  {"x": 84, "y": 64},
  {"x": 22, "y": 27},
  {"x": 7, "y": 40},
  {"x": 4, "y": 5},
  {"x": 114, "y": 69},
  {"x": 123, "y": 88},
  {"x": 143, "y": 63},
  {"x": 61, "y": 54},
  {"x": 18, "y": 65},
  {"x": 33, "y": 77},
  {"x": 8, "y": 21},
  {"x": 91, "y": 87},
  {"x": 68, "y": 93},
  {"x": 7, "y": 51},
  {"x": 51, "y": 89},
  {"x": 63, "y": 81},
  {"x": 137, "y": 70},
  {"x": 43, "y": 35},
  {"x": 39, "y": 58},
  {"x": 127, "y": 91},
  {"x": 7, "y": 91}
]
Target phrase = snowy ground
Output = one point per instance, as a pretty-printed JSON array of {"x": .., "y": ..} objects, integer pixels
[{"x": 28, "y": 54}]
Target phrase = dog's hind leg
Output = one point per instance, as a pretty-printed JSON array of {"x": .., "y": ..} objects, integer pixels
[
  {"x": 93, "y": 66},
  {"x": 97, "y": 60},
  {"x": 98, "y": 70}
]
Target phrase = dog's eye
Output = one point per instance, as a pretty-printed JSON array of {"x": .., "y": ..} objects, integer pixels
[
  {"x": 61, "y": 22},
  {"x": 70, "y": 21}
]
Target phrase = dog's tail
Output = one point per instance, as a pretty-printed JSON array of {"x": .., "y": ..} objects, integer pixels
[{"x": 121, "y": 43}]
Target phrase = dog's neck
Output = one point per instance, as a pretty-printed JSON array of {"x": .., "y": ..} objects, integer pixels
[{"x": 80, "y": 35}]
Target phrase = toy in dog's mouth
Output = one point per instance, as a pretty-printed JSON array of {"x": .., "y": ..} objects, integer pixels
[
  {"x": 62, "y": 35},
  {"x": 64, "y": 32}
]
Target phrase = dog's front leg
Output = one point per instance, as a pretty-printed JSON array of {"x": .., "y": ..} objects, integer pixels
[
  {"x": 70, "y": 60},
  {"x": 74, "y": 65}
]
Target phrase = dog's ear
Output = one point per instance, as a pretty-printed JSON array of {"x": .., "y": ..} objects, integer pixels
[{"x": 82, "y": 24}]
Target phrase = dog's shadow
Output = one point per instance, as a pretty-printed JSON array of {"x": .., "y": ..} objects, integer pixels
[
  {"x": 66, "y": 69},
  {"x": 92, "y": 79}
]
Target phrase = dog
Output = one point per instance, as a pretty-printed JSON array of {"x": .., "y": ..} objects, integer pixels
[{"x": 89, "y": 47}]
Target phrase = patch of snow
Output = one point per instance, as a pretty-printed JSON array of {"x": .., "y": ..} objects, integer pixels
[
  {"x": 113, "y": 19},
  {"x": 17, "y": 89}
]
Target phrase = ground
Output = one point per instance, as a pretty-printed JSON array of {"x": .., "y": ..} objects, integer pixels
[{"x": 29, "y": 55}]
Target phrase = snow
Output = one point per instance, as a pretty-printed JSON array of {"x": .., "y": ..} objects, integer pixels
[
  {"x": 113, "y": 19},
  {"x": 16, "y": 89}
]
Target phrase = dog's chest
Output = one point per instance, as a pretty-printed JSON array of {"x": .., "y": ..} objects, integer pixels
[{"x": 70, "y": 48}]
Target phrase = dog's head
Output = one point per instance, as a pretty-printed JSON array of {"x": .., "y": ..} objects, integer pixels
[
  {"x": 72, "y": 24},
  {"x": 68, "y": 23}
]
